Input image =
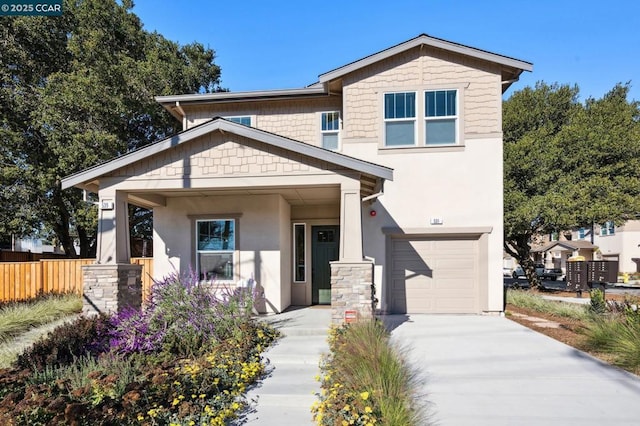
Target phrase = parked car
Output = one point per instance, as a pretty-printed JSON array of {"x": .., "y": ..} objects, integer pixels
[
  {"x": 552, "y": 274},
  {"x": 506, "y": 272},
  {"x": 518, "y": 272}
]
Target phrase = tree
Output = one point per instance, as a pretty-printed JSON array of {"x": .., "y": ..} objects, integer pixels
[
  {"x": 82, "y": 96},
  {"x": 567, "y": 164}
]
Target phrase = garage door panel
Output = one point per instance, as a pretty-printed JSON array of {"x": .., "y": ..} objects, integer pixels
[{"x": 434, "y": 275}]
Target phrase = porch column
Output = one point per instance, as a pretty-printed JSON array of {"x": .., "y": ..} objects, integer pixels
[
  {"x": 112, "y": 283},
  {"x": 113, "y": 228},
  {"x": 352, "y": 287}
]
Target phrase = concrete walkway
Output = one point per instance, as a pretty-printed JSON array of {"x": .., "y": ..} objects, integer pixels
[
  {"x": 483, "y": 370},
  {"x": 285, "y": 397}
]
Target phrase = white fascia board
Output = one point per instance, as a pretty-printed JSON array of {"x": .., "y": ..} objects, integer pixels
[
  {"x": 238, "y": 129},
  {"x": 428, "y": 41},
  {"x": 230, "y": 96}
]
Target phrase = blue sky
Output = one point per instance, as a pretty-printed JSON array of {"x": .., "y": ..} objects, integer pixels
[{"x": 287, "y": 44}]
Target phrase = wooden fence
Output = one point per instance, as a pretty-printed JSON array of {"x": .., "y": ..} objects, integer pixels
[{"x": 25, "y": 280}]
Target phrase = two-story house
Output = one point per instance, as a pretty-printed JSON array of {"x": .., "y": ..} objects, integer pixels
[{"x": 385, "y": 175}]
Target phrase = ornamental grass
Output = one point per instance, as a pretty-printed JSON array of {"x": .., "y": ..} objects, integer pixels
[{"x": 366, "y": 381}]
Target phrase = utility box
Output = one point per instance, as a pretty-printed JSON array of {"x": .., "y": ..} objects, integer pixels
[
  {"x": 603, "y": 271},
  {"x": 577, "y": 279}
]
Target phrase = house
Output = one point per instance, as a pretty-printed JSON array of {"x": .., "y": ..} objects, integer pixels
[
  {"x": 377, "y": 188},
  {"x": 602, "y": 242}
]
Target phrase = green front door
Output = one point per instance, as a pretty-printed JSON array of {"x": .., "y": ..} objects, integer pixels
[{"x": 325, "y": 245}]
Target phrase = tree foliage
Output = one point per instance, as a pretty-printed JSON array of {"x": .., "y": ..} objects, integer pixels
[
  {"x": 567, "y": 164},
  {"x": 75, "y": 91}
]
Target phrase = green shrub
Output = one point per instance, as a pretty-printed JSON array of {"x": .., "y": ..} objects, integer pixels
[
  {"x": 535, "y": 302},
  {"x": 66, "y": 343},
  {"x": 598, "y": 304},
  {"x": 365, "y": 380}
]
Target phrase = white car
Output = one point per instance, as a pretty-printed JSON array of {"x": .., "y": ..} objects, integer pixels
[
  {"x": 506, "y": 272},
  {"x": 518, "y": 273}
]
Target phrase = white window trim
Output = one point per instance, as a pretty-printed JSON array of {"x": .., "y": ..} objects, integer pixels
[
  {"x": 414, "y": 119},
  {"x": 323, "y": 132},
  {"x": 236, "y": 252},
  {"x": 294, "y": 251},
  {"x": 456, "y": 117},
  {"x": 420, "y": 130}
]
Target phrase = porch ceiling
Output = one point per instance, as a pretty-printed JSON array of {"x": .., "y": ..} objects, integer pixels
[{"x": 310, "y": 195}]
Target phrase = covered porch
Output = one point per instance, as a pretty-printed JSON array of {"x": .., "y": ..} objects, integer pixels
[{"x": 240, "y": 206}]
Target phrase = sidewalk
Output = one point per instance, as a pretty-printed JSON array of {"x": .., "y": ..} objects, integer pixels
[{"x": 284, "y": 398}]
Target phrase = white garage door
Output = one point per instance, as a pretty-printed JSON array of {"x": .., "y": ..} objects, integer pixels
[{"x": 434, "y": 275}]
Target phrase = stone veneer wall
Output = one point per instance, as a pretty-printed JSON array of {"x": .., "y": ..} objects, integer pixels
[
  {"x": 351, "y": 290},
  {"x": 110, "y": 288}
]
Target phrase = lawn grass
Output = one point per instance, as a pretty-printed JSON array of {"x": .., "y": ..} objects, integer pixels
[{"x": 20, "y": 317}]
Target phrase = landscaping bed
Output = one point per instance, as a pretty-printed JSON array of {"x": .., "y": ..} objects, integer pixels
[
  {"x": 188, "y": 358},
  {"x": 606, "y": 329}
]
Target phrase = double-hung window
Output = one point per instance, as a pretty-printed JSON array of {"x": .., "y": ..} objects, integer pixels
[
  {"x": 215, "y": 247},
  {"x": 441, "y": 118},
  {"x": 400, "y": 119},
  {"x": 330, "y": 130},
  {"x": 244, "y": 120}
]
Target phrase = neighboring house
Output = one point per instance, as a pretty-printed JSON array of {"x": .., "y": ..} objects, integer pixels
[
  {"x": 386, "y": 173},
  {"x": 610, "y": 242}
]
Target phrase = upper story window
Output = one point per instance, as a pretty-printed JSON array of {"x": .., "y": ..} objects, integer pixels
[
  {"x": 441, "y": 119},
  {"x": 244, "y": 120},
  {"x": 607, "y": 229},
  {"x": 400, "y": 119},
  {"x": 330, "y": 130},
  {"x": 582, "y": 233}
]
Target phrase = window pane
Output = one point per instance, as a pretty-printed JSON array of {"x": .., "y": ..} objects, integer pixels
[
  {"x": 430, "y": 104},
  {"x": 330, "y": 121},
  {"x": 330, "y": 141},
  {"x": 389, "y": 105},
  {"x": 440, "y": 103},
  {"x": 441, "y": 132},
  {"x": 400, "y": 133},
  {"x": 451, "y": 102},
  {"x": 216, "y": 235},
  {"x": 215, "y": 266},
  {"x": 299, "y": 246},
  {"x": 410, "y": 105},
  {"x": 400, "y": 106}
]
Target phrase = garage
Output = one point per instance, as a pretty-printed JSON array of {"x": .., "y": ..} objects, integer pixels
[{"x": 434, "y": 275}]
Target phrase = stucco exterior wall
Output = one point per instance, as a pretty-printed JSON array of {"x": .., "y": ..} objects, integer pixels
[
  {"x": 295, "y": 119},
  {"x": 419, "y": 69},
  {"x": 624, "y": 244},
  {"x": 261, "y": 237},
  {"x": 463, "y": 188}
]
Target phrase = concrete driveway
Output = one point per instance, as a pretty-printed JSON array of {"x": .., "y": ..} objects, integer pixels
[{"x": 484, "y": 370}]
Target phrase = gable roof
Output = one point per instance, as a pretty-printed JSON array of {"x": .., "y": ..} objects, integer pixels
[
  {"x": 568, "y": 245},
  {"x": 220, "y": 124},
  {"x": 511, "y": 70}
]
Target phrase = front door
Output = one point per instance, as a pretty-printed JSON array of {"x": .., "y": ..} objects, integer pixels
[{"x": 325, "y": 245}]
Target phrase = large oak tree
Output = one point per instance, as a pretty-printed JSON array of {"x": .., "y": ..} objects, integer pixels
[
  {"x": 75, "y": 91},
  {"x": 567, "y": 164}
]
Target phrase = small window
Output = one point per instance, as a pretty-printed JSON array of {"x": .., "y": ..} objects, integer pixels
[
  {"x": 215, "y": 248},
  {"x": 299, "y": 261},
  {"x": 608, "y": 229},
  {"x": 244, "y": 120},
  {"x": 326, "y": 236},
  {"x": 553, "y": 236},
  {"x": 330, "y": 129},
  {"x": 399, "y": 119},
  {"x": 581, "y": 233},
  {"x": 441, "y": 117}
]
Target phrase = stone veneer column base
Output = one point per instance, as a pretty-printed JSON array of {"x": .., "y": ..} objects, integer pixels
[
  {"x": 110, "y": 288},
  {"x": 351, "y": 290}
]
